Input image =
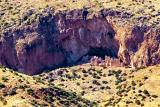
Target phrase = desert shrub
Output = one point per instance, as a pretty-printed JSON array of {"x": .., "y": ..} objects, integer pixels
[
  {"x": 139, "y": 68},
  {"x": 96, "y": 76},
  {"x": 16, "y": 73},
  {"x": 82, "y": 93},
  {"x": 104, "y": 82},
  {"x": 62, "y": 79},
  {"x": 85, "y": 75},
  {"x": 137, "y": 102},
  {"x": 68, "y": 76},
  {"x": 38, "y": 79},
  {"x": 139, "y": 91},
  {"x": 22, "y": 87},
  {"x": 119, "y": 71},
  {"x": 98, "y": 4},
  {"x": 154, "y": 96},
  {"x": 48, "y": 98},
  {"x": 140, "y": 84},
  {"x": 30, "y": 91},
  {"x": 119, "y": 87},
  {"x": 84, "y": 71},
  {"x": 50, "y": 80},
  {"x": 5, "y": 79},
  {"x": 90, "y": 86},
  {"x": 3, "y": 100},
  {"x": 111, "y": 72},
  {"x": 145, "y": 78},
  {"x": 146, "y": 93},
  {"x": 78, "y": 84},
  {"x": 118, "y": 81},
  {"x": 3, "y": 70},
  {"x": 96, "y": 82},
  {"x": 102, "y": 88},
  {"x": 133, "y": 83}
]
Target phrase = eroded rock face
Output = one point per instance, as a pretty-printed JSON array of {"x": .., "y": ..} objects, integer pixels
[
  {"x": 63, "y": 39},
  {"x": 139, "y": 46}
]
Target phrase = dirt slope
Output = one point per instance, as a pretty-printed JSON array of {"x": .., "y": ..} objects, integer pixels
[{"x": 82, "y": 86}]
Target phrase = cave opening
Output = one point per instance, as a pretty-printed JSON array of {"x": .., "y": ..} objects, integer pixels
[{"x": 102, "y": 52}]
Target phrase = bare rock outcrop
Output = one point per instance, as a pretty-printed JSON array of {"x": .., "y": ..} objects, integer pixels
[{"x": 62, "y": 39}]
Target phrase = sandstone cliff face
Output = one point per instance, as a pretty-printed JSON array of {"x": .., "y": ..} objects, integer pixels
[
  {"x": 58, "y": 40},
  {"x": 139, "y": 46}
]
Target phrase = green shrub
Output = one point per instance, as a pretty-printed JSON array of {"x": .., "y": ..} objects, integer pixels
[
  {"x": 3, "y": 100},
  {"x": 5, "y": 79},
  {"x": 78, "y": 84},
  {"x": 48, "y": 98},
  {"x": 139, "y": 68},
  {"x": 38, "y": 79},
  {"x": 3, "y": 70},
  {"x": 96, "y": 82},
  {"x": 30, "y": 91},
  {"x": 16, "y": 73}
]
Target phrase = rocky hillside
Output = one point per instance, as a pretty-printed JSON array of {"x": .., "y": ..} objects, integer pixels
[
  {"x": 82, "y": 86},
  {"x": 38, "y": 37},
  {"x": 24, "y": 91}
]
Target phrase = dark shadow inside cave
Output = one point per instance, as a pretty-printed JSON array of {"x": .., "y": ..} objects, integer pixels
[{"x": 102, "y": 52}]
